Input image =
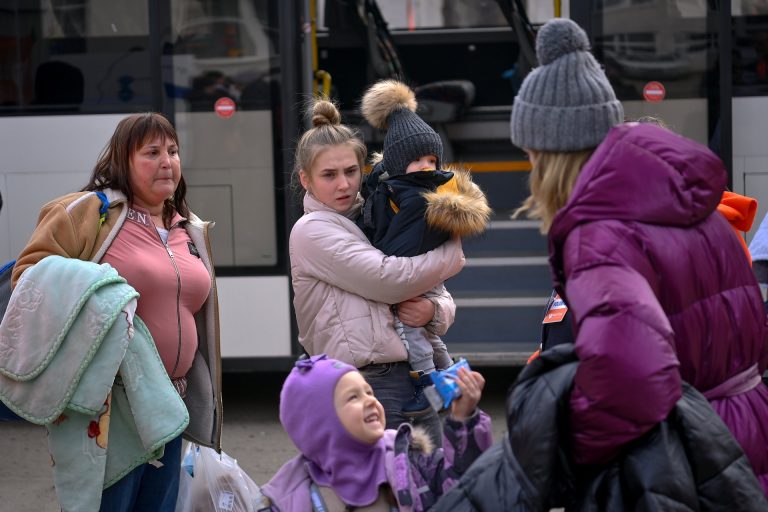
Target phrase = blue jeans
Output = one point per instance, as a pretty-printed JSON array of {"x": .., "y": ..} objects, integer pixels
[
  {"x": 392, "y": 385},
  {"x": 147, "y": 488}
]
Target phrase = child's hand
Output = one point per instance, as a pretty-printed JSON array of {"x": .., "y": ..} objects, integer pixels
[
  {"x": 471, "y": 385},
  {"x": 416, "y": 312}
]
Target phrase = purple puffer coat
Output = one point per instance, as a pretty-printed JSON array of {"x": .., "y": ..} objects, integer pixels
[{"x": 660, "y": 291}]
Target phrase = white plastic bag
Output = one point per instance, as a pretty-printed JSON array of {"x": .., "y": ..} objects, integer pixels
[{"x": 210, "y": 482}]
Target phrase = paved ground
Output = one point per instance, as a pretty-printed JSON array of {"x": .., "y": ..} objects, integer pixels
[{"x": 252, "y": 434}]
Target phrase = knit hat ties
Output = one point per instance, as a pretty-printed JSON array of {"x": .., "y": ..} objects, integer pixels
[
  {"x": 334, "y": 458},
  {"x": 567, "y": 103},
  {"x": 310, "y": 387}
]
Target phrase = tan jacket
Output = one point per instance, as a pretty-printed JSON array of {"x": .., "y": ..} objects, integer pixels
[
  {"x": 69, "y": 226},
  {"x": 343, "y": 287}
]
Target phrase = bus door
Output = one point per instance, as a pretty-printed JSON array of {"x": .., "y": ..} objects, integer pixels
[
  {"x": 664, "y": 60},
  {"x": 503, "y": 290},
  {"x": 701, "y": 69},
  {"x": 750, "y": 103},
  {"x": 221, "y": 77}
]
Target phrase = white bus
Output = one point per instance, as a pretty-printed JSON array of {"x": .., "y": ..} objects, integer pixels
[{"x": 69, "y": 70}]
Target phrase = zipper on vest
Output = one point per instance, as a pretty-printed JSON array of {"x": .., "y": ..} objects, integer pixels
[{"x": 178, "y": 296}]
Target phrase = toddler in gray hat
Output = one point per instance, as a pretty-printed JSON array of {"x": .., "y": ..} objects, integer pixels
[{"x": 413, "y": 206}]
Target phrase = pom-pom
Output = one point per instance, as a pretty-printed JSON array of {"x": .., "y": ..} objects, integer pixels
[
  {"x": 384, "y": 98},
  {"x": 559, "y": 37}
]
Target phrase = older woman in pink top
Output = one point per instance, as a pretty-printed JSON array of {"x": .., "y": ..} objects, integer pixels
[{"x": 161, "y": 248}]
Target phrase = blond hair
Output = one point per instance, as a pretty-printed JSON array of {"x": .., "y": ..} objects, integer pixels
[
  {"x": 327, "y": 131},
  {"x": 551, "y": 182}
]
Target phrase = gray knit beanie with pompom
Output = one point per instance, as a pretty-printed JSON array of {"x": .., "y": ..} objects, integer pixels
[
  {"x": 565, "y": 104},
  {"x": 391, "y": 105}
]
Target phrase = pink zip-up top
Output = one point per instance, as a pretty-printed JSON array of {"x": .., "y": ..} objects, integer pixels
[{"x": 172, "y": 280}]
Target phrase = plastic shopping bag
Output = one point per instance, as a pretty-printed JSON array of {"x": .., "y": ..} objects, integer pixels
[{"x": 212, "y": 482}]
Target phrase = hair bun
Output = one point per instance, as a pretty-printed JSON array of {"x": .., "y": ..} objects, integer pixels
[
  {"x": 325, "y": 112},
  {"x": 558, "y": 37}
]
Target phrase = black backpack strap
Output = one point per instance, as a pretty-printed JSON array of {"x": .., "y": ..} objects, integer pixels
[
  {"x": 5, "y": 295},
  {"x": 5, "y": 286},
  {"x": 368, "y": 212}
]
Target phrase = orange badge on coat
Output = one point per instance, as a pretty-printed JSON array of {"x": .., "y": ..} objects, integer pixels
[{"x": 556, "y": 311}]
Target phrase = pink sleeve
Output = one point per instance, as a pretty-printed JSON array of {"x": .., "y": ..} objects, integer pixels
[
  {"x": 328, "y": 250},
  {"x": 445, "y": 311}
]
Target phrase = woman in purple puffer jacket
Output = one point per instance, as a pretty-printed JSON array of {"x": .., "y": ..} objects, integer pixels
[{"x": 658, "y": 286}]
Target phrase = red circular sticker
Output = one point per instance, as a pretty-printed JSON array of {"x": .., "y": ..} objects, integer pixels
[
  {"x": 654, "y": 92},
  {"x": 224, "y": 107}
]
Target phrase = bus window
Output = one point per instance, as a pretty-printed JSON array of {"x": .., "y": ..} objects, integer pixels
[
  {"x": 749, "y": 7},
  {"x": 435, "y": 41},
  {"x": 71, "y": 69},
  {"x": 750, "y": 48},
  {"x": 750, "y": 101},
  {"x": 404, "y": 14},
  {"x": 221, "y": 65},
  {"x": 226, "y": 55},
  {"x": 433, "y": 14},
  {"x": 427, "y": 14},
  {"x": 84, "y": 57},
  {"x": 670, "y": 43}
]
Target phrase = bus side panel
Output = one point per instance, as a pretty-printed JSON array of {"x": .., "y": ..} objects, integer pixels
[
  {"x": 229, "y": 170},
  {"x": 254, "y": 313},
  {"x": 750, "y": 153},
  {"x": 44, "y": 157}
]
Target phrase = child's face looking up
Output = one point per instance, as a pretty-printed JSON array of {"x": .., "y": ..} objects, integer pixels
[
  {"x": 358, "y": 410},
  {"x": 424, "y": 163}
]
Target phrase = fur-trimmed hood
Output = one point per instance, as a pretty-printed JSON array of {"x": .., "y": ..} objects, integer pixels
[
  {"x": 458, "y": 207},
  {"x": 421, "y": 441}
]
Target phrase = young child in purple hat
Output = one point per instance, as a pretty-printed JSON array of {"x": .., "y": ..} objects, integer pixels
[{"x": 347, "y": 457}]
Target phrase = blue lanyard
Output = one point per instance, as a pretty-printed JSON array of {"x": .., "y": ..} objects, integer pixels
[{"x": 318, "y": 504}]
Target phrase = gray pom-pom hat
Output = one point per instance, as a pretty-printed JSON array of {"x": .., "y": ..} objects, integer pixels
[
  {"x": 567, "y": 103},
  {"x": 391, "y": 105}
]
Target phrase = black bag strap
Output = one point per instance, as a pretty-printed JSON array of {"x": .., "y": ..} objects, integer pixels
[
  {"x": 5, "y": 286},
  {"x": 5, "y": 295}
]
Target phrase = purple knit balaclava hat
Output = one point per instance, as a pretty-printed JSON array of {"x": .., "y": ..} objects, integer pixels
[{"x": 335, "y": 459}]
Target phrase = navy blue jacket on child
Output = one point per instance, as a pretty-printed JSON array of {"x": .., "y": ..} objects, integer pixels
[{"x": 394, "y": 216}]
